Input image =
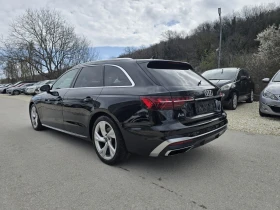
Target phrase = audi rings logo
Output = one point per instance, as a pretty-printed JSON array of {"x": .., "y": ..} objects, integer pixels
[{"x": 208, "y": 93}]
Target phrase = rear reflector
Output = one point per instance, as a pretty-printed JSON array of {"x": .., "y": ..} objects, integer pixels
[
  {"x": 180, "y": 142},
  {"x": 164, "y": 102}
]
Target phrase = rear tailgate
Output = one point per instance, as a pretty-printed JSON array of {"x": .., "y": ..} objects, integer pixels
[{"x": 201, "y": 98}]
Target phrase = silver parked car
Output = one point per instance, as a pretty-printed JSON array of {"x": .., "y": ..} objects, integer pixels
[
  {"x": 270, "y": 96},
  {"x": 49, "y": 82},
  {"x": 31, "y": 90}
]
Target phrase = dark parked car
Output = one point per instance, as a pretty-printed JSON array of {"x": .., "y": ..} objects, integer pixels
[
  {"x": 235, "y": 83},
  {"x": 147, "y": 107},
  {"x": 270, "y": 97}
]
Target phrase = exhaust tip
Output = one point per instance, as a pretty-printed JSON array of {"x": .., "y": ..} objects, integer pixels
[{"x": 177, "y": 151}]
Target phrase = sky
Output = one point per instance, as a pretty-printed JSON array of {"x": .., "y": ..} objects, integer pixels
[{"x": 111, "y": 25}]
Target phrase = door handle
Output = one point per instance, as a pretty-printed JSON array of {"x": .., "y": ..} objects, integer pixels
[{"x": 88, "y": 99}]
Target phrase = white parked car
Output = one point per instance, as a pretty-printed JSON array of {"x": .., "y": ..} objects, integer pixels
[
  {"x": 50, "y": 83},
  {"x": 31, "y": 90}
]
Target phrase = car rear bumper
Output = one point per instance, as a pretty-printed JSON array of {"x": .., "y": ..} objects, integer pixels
[
  {"x": 184, "y": 144},
  {"x": 153, "y": 142}
]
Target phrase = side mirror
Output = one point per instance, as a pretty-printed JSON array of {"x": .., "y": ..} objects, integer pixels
[
  {"x": 244, "y": 78},
  {"x": 54, "y": 93},
  {"x": 266, "y": 80},
  {"x": 45, "y": 88}
]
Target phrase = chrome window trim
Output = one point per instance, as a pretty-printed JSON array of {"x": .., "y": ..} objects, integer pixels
[
  {"x": 126, "y": 74},
  {"x": 124, "y": 71},
  {"x": 164, "y": 144}
]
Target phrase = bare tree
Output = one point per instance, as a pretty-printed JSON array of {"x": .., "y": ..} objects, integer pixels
[
  {"x": 129, "y": 50},
  {"x": 43, "y": 40}
]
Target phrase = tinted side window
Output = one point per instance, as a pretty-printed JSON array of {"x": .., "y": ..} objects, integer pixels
[
  {"x": 90, "y": 76},
  {"x": 114, "y": 76},
  {"x": 65, "y": 80},
  {"x": 246, "y": 74},
  {"x": 240, "y": 73}
]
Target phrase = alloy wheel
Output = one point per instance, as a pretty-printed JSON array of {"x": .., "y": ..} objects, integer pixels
[
  {"x": 234, "y": 101},
  {"x": 105, "y": 140},
  {"x": 34, "y": 117}
]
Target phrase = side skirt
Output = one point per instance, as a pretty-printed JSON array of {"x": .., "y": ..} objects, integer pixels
[{"x": 67, "y": 132}]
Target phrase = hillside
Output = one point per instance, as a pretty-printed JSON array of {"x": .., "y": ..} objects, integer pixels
[{"x": 199, "y": 48}]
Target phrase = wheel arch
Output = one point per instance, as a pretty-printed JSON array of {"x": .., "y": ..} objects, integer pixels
[
  {"x": 234, "y": 91},
  {"x": 30, "y": 104},
  {"x": 98, "y": 114}
]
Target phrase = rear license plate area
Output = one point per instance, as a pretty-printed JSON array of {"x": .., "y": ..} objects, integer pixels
[{"x": 204, "y": 107}]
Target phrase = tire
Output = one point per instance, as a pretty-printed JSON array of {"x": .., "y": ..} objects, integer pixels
[
  {"x": 35, "y": 119},
  {"x": 111, "y": 149},
  {"x": 16, "y": 92},
  {"x": 251, "y": 97},
  {"x": 233, "y": 101}
]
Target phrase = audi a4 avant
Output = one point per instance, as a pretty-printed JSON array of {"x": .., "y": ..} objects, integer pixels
[{"x": 147, "y": 107}]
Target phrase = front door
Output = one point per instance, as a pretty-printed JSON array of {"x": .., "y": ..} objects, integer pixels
[
  {"x": 51, "y": 108},
  {"x": 52, "y": 103},
  {"x": 81, "y": 100},
  {"x": 240, "y": 84}
]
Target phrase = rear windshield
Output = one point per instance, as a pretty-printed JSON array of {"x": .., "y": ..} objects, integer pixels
[
  {"x": 175, "y": 74},
  {"x": 220, "y": 74},
  {"x": 277, "y": 77}
]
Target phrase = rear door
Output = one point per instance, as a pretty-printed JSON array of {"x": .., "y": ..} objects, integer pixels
[
  {"x": 243, "y": 85},
  {"x": 81, "y": 100},
  {"x": 201, "y": 97},
  {"x": 119, "y": 96},
  {"x": 249, "y": 84}
]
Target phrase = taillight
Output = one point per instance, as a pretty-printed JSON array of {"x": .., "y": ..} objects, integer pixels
[
  {"x": 164, "y": 102},
  {"x": 157, "y": 102}
]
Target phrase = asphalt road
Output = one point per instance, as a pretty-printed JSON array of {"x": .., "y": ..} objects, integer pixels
[{"x": 51, "y": 170}]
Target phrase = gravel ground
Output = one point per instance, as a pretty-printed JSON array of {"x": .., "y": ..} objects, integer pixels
[{"x": 246, "y": 118}]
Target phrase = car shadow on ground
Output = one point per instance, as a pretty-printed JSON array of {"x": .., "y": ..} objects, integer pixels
[{"x": 192, "y": 158}]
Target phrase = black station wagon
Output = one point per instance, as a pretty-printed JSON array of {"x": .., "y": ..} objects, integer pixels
[{"x": 148, "y": 107}]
